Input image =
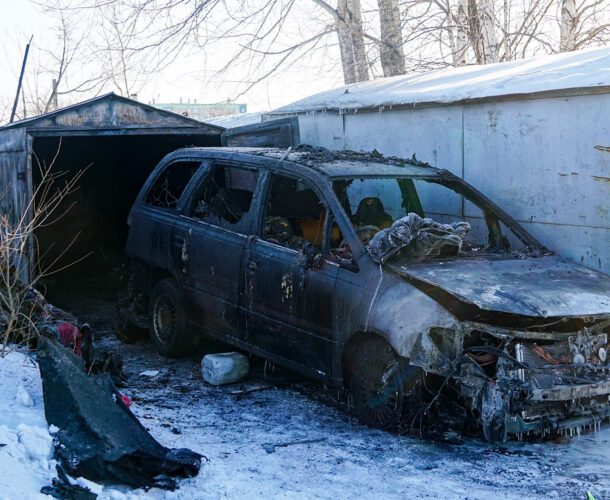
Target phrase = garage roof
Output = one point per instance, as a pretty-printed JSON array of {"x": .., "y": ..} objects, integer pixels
[
  {"x": 111, "y": 112},
  {"x": 571, "y": 73}
]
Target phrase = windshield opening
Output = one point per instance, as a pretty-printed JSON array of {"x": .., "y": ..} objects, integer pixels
[{"x": 420, "y": 219}]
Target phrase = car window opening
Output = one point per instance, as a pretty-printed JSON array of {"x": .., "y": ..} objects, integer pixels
[
  {"x": 430, "y": 219},
  {"x": 225, "y": 196},
  {"x": 294, "y": 216},
  {"x": 168, "y": 187}
]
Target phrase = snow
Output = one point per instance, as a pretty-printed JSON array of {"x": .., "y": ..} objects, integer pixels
[
  {"x": 579, "y": 69},
  {"x": 288, "y": 441},
  {"x": 235, "y": 120},
  {"x": 26, "y": 462}
]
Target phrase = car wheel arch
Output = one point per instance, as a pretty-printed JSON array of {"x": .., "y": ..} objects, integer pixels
[
  {"x": 157, "y": 274},
  {"x": 351, "y": 346}
]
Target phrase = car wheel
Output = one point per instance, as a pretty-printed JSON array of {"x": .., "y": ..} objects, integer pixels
[
  {"x": 167, "y": 325},
  {"x": 383, "y": 385}
]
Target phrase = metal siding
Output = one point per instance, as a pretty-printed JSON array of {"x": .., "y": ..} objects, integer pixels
[
  {"x": 538, "y": 160},
  {"x": 322, "y": 129},
  {"x": 535, "y": 158}
]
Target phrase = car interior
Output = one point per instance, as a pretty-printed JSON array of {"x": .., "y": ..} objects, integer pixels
[{"x": 226, "y": 196}]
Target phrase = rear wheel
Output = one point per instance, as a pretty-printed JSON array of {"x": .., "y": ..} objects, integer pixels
[
  {"x": 167, "y": 323},
  {"x": 384, "y": 387}
]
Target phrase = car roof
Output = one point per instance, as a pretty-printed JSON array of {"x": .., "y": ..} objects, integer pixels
[{"x": 335, "y": 164}]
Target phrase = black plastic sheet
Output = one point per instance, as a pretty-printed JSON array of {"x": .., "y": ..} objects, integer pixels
[{"x": 98, "y": 437}]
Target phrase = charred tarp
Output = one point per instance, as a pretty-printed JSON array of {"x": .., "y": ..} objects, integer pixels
[{"x": 98, "y": 437}]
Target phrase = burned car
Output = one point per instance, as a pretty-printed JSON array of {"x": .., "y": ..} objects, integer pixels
[{"x": 390, "y": 277}]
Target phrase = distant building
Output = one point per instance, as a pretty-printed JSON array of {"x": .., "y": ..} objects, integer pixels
[{"x": 202, "y": 111}]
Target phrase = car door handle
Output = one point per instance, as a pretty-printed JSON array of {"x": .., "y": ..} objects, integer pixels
[{"x": 251, "y": 267}]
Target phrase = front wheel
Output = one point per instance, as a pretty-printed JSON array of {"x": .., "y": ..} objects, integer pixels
[
  {"x": 384, "y": 387},
  {"x": 167, "y": 322}
]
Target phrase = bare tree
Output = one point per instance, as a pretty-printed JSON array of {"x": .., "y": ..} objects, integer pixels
[
  {"x": 583, "y": 24},
  {"x": 259, "y": 39}
]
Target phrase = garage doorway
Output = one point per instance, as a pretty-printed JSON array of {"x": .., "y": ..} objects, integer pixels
[{"x": 84, "y": 248}]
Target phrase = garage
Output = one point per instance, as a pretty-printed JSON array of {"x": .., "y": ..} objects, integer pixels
[{"x": 106, "y": 147}]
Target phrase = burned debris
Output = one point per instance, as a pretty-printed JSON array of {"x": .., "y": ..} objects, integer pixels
[
  {"x": 418, "y": 238},
  {"x": 98, "y": 437}
]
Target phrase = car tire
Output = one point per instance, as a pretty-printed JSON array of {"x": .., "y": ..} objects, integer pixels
[
  {"x": 167, "y": 322},
  {"x": 380, "y": 400}
]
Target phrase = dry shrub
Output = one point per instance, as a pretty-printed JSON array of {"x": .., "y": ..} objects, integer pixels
[{"x": 23, "y": 310}]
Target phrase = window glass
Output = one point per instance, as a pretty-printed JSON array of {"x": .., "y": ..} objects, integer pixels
[
  {"x": 225, "y": 197},
  {"x": 168, "y": 188},
  {"x": 294, "y": 215}
]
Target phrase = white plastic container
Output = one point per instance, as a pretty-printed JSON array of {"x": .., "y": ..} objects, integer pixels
[{"x": 224, "y": 368}]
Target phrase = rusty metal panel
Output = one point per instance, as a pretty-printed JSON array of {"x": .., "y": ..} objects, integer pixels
[
  {"x": 15, "y": 191},
  {"x": 111, "y": 112},
  {"x": 13, "y": 173}
]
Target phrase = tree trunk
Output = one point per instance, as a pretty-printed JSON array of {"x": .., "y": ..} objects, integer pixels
[
  {"x": 488, "y": 31},
  {"x": 461, "y": 37},
  {"x": 567, "y": 40},
  {"x": 351, "y": 41},
  {"x": 391, "y": 51}
]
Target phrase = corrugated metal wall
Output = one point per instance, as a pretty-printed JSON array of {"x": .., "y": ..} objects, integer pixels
[{"x": 536, "y": 158}]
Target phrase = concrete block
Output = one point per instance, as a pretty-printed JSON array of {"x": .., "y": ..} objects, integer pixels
[{"x": 224, "y": 368}]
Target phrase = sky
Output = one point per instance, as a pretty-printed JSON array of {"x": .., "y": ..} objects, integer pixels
[{"x": 188, "y": 77}]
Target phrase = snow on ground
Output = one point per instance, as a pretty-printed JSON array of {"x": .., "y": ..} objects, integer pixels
[
  {"x": 583, "y": 68},
  {"x": 289, "y": 441},
  {"x": 26, "y": 447}
]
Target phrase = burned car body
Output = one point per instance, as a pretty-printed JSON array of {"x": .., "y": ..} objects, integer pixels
[{"x": 359, "y": 270}]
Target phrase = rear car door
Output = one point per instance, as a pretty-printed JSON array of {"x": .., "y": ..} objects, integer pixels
[
  {"x": 154, "y": 215},
  {"x": 214, "y": 227},
  {"x": 288, "y": 290}
]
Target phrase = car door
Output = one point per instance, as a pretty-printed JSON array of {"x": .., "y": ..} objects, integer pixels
[
  {"x": 210, "y": 241},
  {"x": 157, "y": 210},
  {"x": 288, "y": 289}
]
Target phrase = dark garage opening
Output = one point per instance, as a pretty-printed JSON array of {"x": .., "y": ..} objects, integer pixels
[{"x": 116, "y": 168}]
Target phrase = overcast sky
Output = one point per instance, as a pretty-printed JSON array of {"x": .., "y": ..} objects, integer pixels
[{"x": 189, "y": 77}]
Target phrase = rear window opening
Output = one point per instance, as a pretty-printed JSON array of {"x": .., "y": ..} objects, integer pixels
[
  {"x": 167, "y": 189},
  {"x": 225, "y": 196}
]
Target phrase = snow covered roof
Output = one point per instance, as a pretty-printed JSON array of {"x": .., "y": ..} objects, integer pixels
[
  {"x": 235, "y": 120},
  {"x": 575, "y": 71}
]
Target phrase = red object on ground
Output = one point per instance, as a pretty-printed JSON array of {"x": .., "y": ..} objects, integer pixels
[
  {"x": 71, "y": 336},
  {"x": 126, "y": 400}
]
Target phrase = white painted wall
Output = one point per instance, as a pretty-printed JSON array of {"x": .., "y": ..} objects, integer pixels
[{"x": 535, "y": 158}]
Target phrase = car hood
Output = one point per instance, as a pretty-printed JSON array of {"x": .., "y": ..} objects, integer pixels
[{"x": 542, "y": 286}]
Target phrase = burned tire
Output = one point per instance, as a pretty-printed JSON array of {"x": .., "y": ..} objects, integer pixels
[
  {"x": 384, "y": 387},
  {"x": 167, "y": 323}
]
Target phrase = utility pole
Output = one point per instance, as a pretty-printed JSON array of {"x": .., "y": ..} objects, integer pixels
[{"x": 25, "y": 58}]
